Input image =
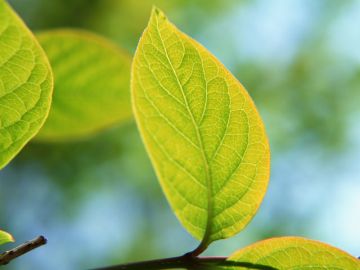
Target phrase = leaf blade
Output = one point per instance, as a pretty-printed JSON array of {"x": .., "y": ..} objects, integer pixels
[
  {"x": 5, "y": 237},
  {"x": 201, "y": 130},
  {"x": 91, "y": 89},
  {"x": 294, "y": 253},
  {"x": 26, "y": 84}
]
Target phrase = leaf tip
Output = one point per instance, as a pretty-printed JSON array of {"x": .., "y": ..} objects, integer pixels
[
  {"x": 11, "y": 238},
  {"x": 157, "y": 14}
]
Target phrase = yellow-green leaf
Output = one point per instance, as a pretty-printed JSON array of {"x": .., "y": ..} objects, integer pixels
[
  {"x": 5, "y": 237},
  {"x": 294, "y": 253},
  {"x": 92, "y": 84},
  {"x": 202, "y": 131},
  {"x": 25, "y": 84}
]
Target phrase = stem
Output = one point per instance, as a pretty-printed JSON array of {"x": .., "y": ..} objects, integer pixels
[
  {"x": 11, "y": 254},
  {"x": 200, "y": 249},
  {"x": 186, "y": 261}
]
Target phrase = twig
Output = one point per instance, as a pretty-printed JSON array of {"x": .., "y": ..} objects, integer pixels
[
  {"x": 11, "y": 254},
  {"x": 184, "y": 262}
]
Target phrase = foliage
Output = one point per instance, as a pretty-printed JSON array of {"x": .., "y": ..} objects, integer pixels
[
  {"x": 91, "y": 84},
  {"x": 200, "y": 127},
  {"x": 294, "y": 253}
]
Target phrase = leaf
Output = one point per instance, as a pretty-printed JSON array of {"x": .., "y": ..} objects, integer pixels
[
  {"x": 202, "y": 131},
  {"x": 91, "y": 84},
  {"x": 294, "y": 253},
  {"x": 5, "y": 237},
  {"x": 25, "y": 84}
]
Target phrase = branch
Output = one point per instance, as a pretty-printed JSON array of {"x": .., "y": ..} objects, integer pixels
[
  {"x": 10, "y": 255},
  {"x": 185, "y": 262}
]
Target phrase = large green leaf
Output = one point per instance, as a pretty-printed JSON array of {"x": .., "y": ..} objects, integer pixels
[
  {"x": 294, "y": 253},
  {"x": 5, "y": 237},
  {"x": 92, "y": 84},
  {"x": 25, "y": 84},
  {"x": 202, "y": 131}
]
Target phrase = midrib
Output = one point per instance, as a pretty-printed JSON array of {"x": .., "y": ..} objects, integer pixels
[{"x": 208, "y": 179}]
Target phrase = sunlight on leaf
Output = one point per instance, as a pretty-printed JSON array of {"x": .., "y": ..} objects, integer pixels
[
  {"x": 25, "y": 84},
  {"x": 202, "y": 131},
  {"x": 294, "y": 253},
  {"x": 91, "y": 84},
  {"x": 5, "y": 237}
]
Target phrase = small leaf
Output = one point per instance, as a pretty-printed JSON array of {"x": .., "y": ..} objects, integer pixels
[
  {"x": 202, "y": 131},
  {"x": 25, "y": 84},
  {"x": 91, "y": 89},
  {"x": 294, "y": 253},
  {"x": 5, "y": 237}
]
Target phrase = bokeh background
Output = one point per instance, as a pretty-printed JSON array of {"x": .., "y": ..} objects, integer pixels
[{"x": 98, "y": 201}]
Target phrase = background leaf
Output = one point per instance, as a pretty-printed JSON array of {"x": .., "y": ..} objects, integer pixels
[
  {"x": 5, "y": 237},
  {"x": 25, "y": 85},
  {"x": 202, "y": 131},
  {"x": 295, "y": 253},
  {"x": 91, "y": 84}
]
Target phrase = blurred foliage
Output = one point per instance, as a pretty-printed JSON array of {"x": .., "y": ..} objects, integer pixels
[
  {"x": 42, "y": 14},
  {"x": 315, "y": 103},
  {"x": 311, "y": 97},
  {"x": 72, "y": 166},
  {"x": 113, "y": 18},
  {"x": 91, "y": 86}
]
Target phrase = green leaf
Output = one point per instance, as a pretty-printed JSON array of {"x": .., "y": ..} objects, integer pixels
[
  {"x": 92, "y": 84},
  {"x": 202, "y": 131},
  {"x": 25, "y": 84},
  {"x": 294, "y": 253},
  {"x": 5, "y": 237}
]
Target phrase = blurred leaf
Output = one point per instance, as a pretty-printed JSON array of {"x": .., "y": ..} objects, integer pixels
[
  {"x": 5, "y": 237},
  {"x": 202, "y": 131},
  {"x": 91, "y": 84},
  {"x": 294, "y": 253},
  {"x": 25, "y": 85}
]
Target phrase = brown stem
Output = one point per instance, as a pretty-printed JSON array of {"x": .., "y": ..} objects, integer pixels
[
  {"x": 198, "y": 250},
  {"x": 11, "y": 254},
  {"x": 186, "y": 261}
]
